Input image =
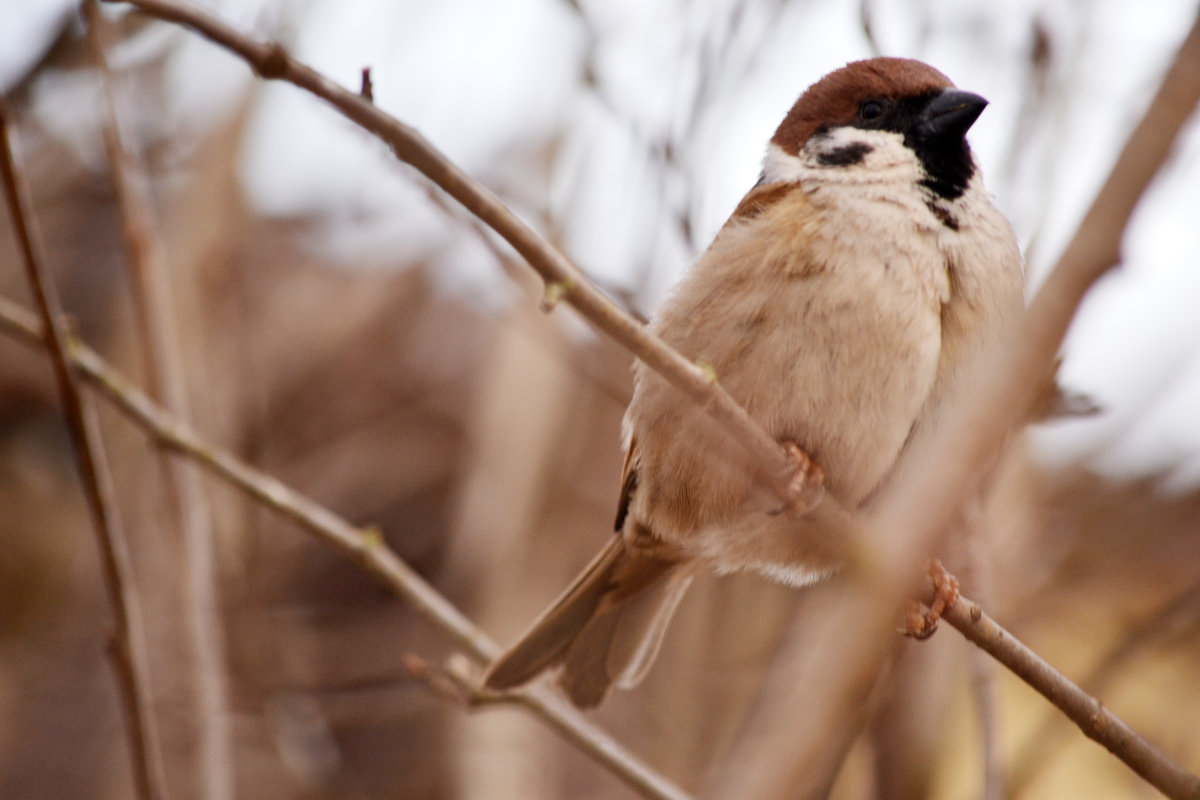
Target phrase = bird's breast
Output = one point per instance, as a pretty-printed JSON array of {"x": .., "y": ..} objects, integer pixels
[{"x": 828, "y": 337}]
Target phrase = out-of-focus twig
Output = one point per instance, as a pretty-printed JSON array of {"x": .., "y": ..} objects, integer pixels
[
  {"x": 983, "y": 672},
  {"x": 158, "y": 335},
  {"x": 128, "y": 638},
  {"x": 866, "y": 21},
  {"x": 364, "y": 546}
]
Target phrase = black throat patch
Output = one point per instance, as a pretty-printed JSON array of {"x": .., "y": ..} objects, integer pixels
[{"x": 948, "y": 165}]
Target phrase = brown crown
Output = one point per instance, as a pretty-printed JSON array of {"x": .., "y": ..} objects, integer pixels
[{"x": 834, "y": 100}]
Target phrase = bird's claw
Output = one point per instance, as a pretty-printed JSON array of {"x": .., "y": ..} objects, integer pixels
[
  {"x": 807, "y": 483},
  {"x": 921, "y": 625}
]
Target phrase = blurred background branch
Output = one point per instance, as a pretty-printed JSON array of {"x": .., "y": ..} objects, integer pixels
[
  {"x": 189, "y": 513},
  {"x": 127, "y": 644}
]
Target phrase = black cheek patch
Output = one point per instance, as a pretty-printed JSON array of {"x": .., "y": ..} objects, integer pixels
[{"x": 846, "y": 156}]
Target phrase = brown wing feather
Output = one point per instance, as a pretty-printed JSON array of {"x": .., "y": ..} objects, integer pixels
[
  {"x": 629, "y": 480},
  {"x": 619, "y": 641}
]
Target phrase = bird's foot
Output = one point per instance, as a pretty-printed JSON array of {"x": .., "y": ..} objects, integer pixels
[
  {"x": 807, "y": 483},
  {"x": 921, "y": 625}
]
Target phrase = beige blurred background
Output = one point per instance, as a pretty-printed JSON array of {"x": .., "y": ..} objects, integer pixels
[{"x": 374, "y": 354}]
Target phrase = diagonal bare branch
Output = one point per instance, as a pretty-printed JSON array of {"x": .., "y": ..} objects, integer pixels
[{"x": 563, "y": 280}]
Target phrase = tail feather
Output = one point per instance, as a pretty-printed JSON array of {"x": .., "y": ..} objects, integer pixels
[
  {"x": 605, "y": 628},
  {"x": 644, "y": 624},
  {"x": 551, "y": 633},
  {"x": 585, "y": 677}
]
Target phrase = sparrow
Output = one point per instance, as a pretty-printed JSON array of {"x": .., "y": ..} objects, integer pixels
[{"x": 839, "y": 303}]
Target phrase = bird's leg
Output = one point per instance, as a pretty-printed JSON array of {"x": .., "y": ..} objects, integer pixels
[
  {"x": 920, "y": 625},
  {"x": 807, "y": 482}
]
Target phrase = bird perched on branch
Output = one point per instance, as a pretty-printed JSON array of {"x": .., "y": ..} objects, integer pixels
[{"x": 838, "y": 305}]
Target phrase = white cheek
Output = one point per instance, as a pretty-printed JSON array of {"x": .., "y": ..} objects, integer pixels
[
  {"x": 884, "y": 148},
  {"x": 886, "y": 155},
  {"x": 781, "y": 167},
  {"x": 840, "y": 138}
]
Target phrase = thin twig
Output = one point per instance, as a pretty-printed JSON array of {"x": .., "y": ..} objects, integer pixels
[
  {"x": 364, "y": 546},
  {"x": 128, "y": 638},
  {"x": 1096, "y": 721},
  {"x": 367, "y": 88},
  {"x": 159, "y": 337}
]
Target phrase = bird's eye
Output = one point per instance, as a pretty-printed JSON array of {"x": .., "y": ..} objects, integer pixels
[{"x": 870, "y": 111}]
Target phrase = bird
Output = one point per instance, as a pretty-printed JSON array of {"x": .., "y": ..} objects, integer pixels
[{"x": 846, "y": 294}]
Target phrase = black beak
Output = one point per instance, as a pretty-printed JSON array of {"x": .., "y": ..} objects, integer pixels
[{"x": 950, "y": 114}]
